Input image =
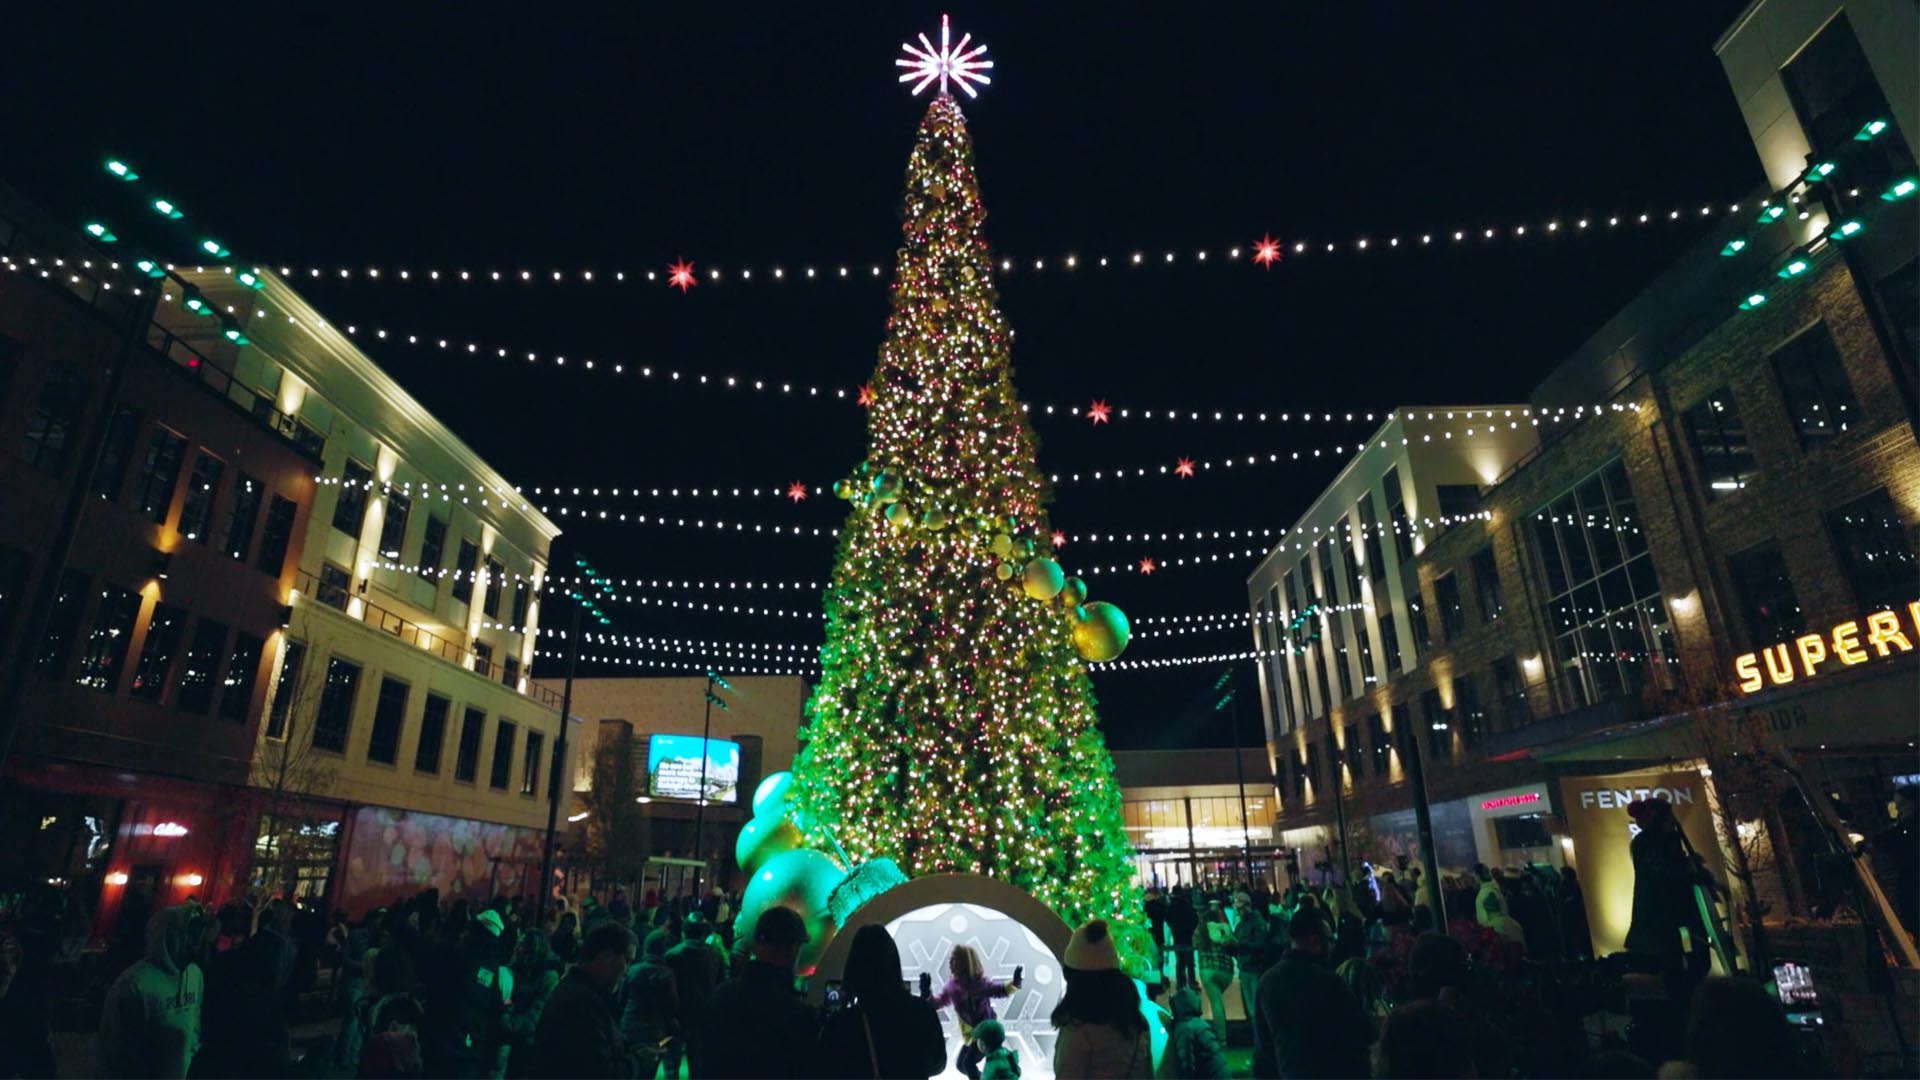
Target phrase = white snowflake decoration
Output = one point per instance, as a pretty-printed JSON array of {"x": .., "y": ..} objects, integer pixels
[{"x": 949, "y": 62}]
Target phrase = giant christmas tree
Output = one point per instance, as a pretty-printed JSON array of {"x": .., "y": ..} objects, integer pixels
[{"x": 953, "y": 728}]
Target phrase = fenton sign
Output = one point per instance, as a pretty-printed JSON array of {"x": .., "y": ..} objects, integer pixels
[{"x": 1855, "y": 641}]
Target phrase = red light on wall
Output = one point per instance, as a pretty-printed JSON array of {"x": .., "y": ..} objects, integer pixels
[
  {"x": 118, "y": 877},
  {"x": 1510, "y": 800}
]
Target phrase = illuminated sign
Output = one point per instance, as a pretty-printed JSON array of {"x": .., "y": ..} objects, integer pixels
[
  {"x": 169, "y": 828},
  {"x": 1855, "y": 641},
  {"x": 1595, "y": 809},
  {"x": 676, "y": 764},
  {"x": 1510, "y": 800}
]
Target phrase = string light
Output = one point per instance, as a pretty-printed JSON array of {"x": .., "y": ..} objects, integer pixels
[{"x": 1069, "y": 263}]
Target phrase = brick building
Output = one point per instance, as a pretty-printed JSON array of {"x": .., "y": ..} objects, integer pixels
[{"x": 1722, "y": 544}]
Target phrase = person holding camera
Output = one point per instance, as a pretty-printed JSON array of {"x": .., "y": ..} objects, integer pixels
[{"x": 877, "y": 1028}]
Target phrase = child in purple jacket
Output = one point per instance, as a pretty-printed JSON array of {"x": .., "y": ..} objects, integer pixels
[{"x": 971, "y": 994}]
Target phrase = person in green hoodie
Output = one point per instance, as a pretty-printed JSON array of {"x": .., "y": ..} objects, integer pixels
[{"x": 150, "y": 1020}]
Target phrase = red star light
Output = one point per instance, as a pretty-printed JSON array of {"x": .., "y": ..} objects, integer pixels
[
  {"x": 1099, "y": 411},
  {"x": 797, "y": 491},
  {"x": 1059, "y": 539},
  {"x": 1184, "y": 467},
  {"x": 1266, "y": 252},
  {"x": 680, "y": 276},
  {"x": 1146, "y": 566},
  {"x": 865, "y": 396}
]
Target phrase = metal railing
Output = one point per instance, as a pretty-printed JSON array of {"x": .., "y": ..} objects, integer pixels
[{"x": 341, "y": 599}]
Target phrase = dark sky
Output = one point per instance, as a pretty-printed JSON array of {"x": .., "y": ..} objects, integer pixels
[{"x": 555, "y": 137}]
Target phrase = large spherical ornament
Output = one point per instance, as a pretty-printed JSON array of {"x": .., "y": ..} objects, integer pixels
[
  {"x": 1073, "y": 592},
  {"x": 773, "y": 793},
  {"x": 1003, "y": 572},
  {"x": 899, "y": 516},
  {"x": 801, "y": 881},
  {"x": 842, "y": 489},
  {"x": 939, "y": 303},
  {"x": 1103, "y": 634},
  {"x": 1001, "y": 545},
  {"x": 886, "y": 486},
  {"x": 1043, "y": 579},
  {"x": 764, "y": 837},
  {"x": 934, "y": 519}
]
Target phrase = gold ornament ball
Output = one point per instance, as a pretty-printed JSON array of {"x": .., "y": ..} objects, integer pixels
[
  {"x": 899, "y": 516},
  {"x": 939, "y": 303},
  {"x": 1073, "y": 592},
  {"x": 1004, "y": 571},
  {"x": 1102, "y": 634},
  {"x": 1001, "y": 545},
  {"x": 842, "y": 489},
  {"x": 1043, "y": 579},
  {"x": 934, "y": 519},
  {"x": 764, "y": 837},
  {"x": 967, "y": 272},
  {"x": 938, "y": 190}
]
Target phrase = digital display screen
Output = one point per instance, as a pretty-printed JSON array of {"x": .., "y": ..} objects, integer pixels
[{"x": 675, "y": 764}]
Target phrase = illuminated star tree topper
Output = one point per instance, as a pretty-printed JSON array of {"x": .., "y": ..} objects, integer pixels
[{"x": 926, "y": 65}]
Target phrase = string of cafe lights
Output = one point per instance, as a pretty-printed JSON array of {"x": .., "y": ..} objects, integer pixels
[{"x": 686, "y": 275}]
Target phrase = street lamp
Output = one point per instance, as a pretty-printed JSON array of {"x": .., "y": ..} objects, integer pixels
[{"x": 700, "y": 807}]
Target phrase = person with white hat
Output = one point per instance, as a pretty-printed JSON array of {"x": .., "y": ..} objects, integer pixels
[{"x": 1102, "y": 1030}]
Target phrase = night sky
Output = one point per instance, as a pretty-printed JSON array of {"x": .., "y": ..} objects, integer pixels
[{"x": 737, "y": 135}]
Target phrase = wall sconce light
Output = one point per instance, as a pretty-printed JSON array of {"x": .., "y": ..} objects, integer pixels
[
  {"x": 118, "y": 877},
  {"x": 191, "y": 880}
]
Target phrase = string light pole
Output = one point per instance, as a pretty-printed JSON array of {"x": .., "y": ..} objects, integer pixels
[
  {"x": 558, "y": 780},
  {"x": 1229, "y": 700},
  {"x": 700, "y": 806}
]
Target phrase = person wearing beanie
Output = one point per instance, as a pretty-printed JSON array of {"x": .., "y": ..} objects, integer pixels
[
  {"x": 1309, "y": 1024},
  {"x": 998, "y": 1061},
  {"x": 1103, "y": 1033}
]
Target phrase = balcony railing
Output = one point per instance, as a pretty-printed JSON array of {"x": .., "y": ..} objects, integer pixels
[{"x": 418, "y": 636}]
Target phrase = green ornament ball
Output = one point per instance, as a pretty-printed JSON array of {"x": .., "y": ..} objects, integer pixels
[
  {"x": 801, "y": 881},
  {"x": 1073, "y": 592},
  {"x": 1043, "y": 579},
  {"x": 773, "y": 793},
  {"x": 935, "y": 519},
  {"x": 899, "y": 516},
  {"x": 842, "y": 489},
  {"x": 1101, "y": 633},
  {"x": 886, "y": 486},
  {"x": 764, "y": 837}
]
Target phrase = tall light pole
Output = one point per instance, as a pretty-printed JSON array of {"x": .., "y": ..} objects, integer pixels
[{"x": 700, "y": 806}]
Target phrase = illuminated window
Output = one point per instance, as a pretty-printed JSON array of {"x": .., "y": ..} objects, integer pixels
[
  {"x": 1720, "y": 449},
  {"x": 164, "y": 630},
  {"x": 105, "y": 648}
]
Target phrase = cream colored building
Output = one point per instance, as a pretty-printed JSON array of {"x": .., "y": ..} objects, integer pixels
[{"x": 403, "y": 674}]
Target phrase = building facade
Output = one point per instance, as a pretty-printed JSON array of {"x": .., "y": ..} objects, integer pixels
[
  {"x": 405, "y": 743},
  {"x": 1717, "y": 558},
  {"x": 1198, "y": 817},
  {"x": 125, "y": 785}
]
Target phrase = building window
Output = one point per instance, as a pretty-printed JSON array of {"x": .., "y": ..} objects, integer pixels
[
  {"x": 105, "y": 648},
  {"x": 1397, "y": 516},
  {"x": 433, "y": 732},
  {"x": 1767, "y": 600},
  {"x": 393, "y": 525},
  {"x": 159, "y": 474},
  {"x": 1513, "y": 710},
  {"x": 521, "y": 595},
  {"x": 1439, "y": 731},
  {"x": 62, "y": 625},
  {"x": 483, "y": 659},
  {"x": 1377, "y": 740},
  {"x": 466, "y": 758},
  {"x": 1296, "y": 655},
  {"x": 1486, "y": 584},
  {"x": 117, "y": 453},
  {"x": 501, "y": 774},
  {"x": 275, "y": 535},
  {"x": 202, "y": 484},
  {"x": 201, "y": 662},
  {"x": 1370, "y": 540},
  {"x": 335, "y": 715},
  {"x": 1269, "y": 665},
  {"x": 1453, "y": 614},
  {"x": 1818, "y": 397},
  {"x": 1369, "y": 678},
  {"x": 1299, "y": 775},
  {"x": 164, "y": 630},
  {"x": 243, "y": 666},
  {"x": 1468, "y": 716},
  {"x": 510, "y": 672},
  {"x": 1456, "y": 502},
  {"x": 1403, "y": 734},
  {"x": 293, "y": 662},
  {"x": 496, "y": 580},
  {"x": 1307, "y": 634},
  {"x": 350, "y": 509},
  {"x": 432, "y": 549},
  {"x": 530, "y": 779},
  {"x": 1833, "y": 92},
  {"x": 1356, "y": 755},
  {"x": 463, "y": 568},
  {"x": 334, "y": 587},
  {"x": 1390, "y": 640},
  {"x": 1874, "y": 551},
  {"x": 1417, "y": 613},
  {"x": 389, "y": 713},
  {"x": 247, "y": 493},
  {"x": 52, "y": 428},
  {"x": 1610, "y": 624},
  {"x": 1720, "y": 447}
]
